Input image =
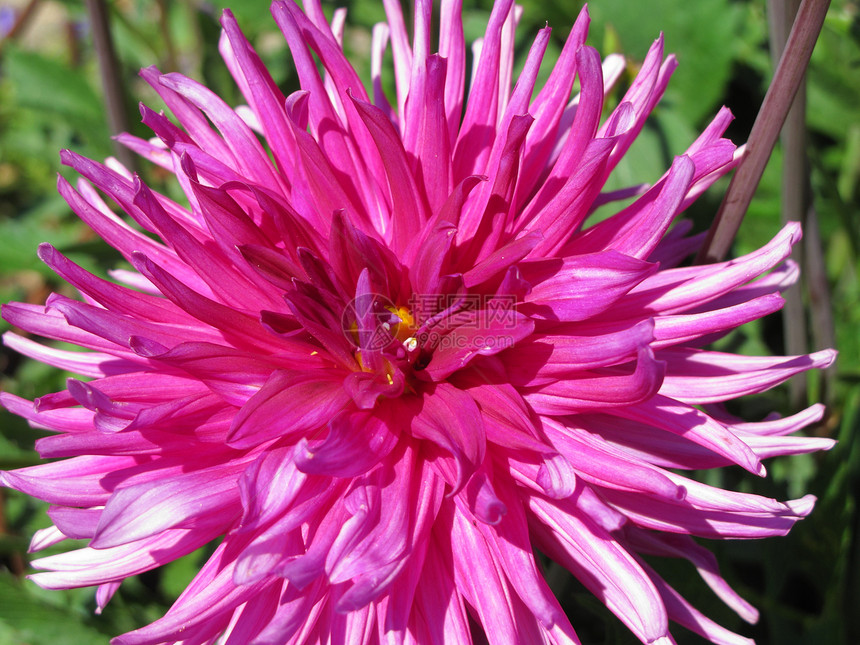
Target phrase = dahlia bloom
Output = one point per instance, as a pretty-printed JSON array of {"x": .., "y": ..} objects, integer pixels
[{"x": 382, "y": 356}]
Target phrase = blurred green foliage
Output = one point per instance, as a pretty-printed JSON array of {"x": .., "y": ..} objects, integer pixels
[{"x": 807, "y": 585}]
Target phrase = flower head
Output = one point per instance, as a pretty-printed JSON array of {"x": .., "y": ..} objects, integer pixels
[{"x": 385, "y": 354}]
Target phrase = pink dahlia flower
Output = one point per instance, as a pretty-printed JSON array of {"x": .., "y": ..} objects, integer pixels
[{"x": 384, "y": 355}]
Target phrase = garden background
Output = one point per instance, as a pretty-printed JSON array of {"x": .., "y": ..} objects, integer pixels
[{"x": 806, "y": 585}]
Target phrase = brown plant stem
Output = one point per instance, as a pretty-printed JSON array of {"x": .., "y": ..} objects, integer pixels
[
  {"x": 765, "y": 131},
  {"x": 795, "y": 195},
  {"x": 16, "y": 562},
  {"x": 823, "y": 328},
  {"x": 170, "y": 61},
  {"x": 111, "y": 76},
  {"x": 21, "y": 22}
]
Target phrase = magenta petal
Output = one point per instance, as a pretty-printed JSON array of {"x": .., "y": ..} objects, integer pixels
[
  {"x": 234, "y": 375},
  {"x": 478, "y": 123},
  {"x": 602, "y": 464},
  {"x": 709, "y": 377},
  {"x": 112, "y": 296},
  {"x": 288, "y": 403},
  {"x": 594, "y": 554},
  {"x": 550, "y": 102},
  {"x": 210, "y": 265},
  {"x": 579, "y": 287},
  {"x": 743, "y": 521},
  {"x": 556, "y": 476},
  {"x": 483, "y": 501},
  {"x": 511, "y": 544},
  {"x": 73, "y": 482},
  {"x": 71, "y": 420},
  {"x": 379, "y": 350},
  {"x": 546, "y": 357},
  {"x": 427, "y": 493},
  {"x": 636, "y": 230},
  {"x": 569, "y": 202},
  {"x": 199, "y": 499},
  {"x": 429, "y": 247},
  {"x": 401, "y": 182},
  {"x": 490, "y": 332},
  {"x": 243, "y": 145},
  {"x": 265, "y": 553},
  {"x": 232, "y": 323},
  {"x": 104, "y": 593},
  {"x": 269, "y": 486},
  {"x": 76, "y": 523},
  {"x": 671, "y": 330},
  {"x": 431, "y": 131},
  {"x": 683, "y": 613},
  {"x": 116, "y": 331},
  {"x": 681, "y": 289},
  {"x": 501, "y": 259},
  {"x": 484, "y": 220},
  {"x": 704, "y": 561},
  {"x": 482, "y": 580},
  {"x": 88, "y": 566},
  {"x": 44, "y": 538},
  {"x": 205, "y": 602},
  {"x": 251, "y": 617},
  {"x": 441, "y": 617},
  {"x": 507, "y": 418},
  {"x": 699, "y": 428},
  {"x": 296, "y": 613},
  {"x": 265, "y": 96},
  {"x": 92, "y": 364},
  {"x": 356, "y": 442},
  {"x": 599, "y": 390},
  {"x": 774, "y": 425},
  {"x": 451, "y": 420}
]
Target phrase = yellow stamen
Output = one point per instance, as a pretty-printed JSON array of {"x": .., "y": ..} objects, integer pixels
[{"x": 406, "y": 325}]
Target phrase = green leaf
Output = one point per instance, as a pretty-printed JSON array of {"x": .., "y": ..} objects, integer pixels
[
  {"x": 26, "y": 619},
  {"x": 705, "y": 55},
  {"x": 20, "y": 237},
  {"x": 48, "y": 85}
]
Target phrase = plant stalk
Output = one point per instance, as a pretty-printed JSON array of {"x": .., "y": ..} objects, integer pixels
[{"x": 774, "y": 109}]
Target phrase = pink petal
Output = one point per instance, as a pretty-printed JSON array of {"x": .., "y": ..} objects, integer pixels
[
  {"x": 600, "y": 280},
  {"x": 451, "y": 420},
  {"x": 289, "y": 404},
  {"x": 708, "y": 377},
  {"x": 594, "y": 391},
  {"x": 598, "y": 560},
  {"x": 200, "y": 499},
  {"x": 357, "y": 441},
  {"x": 546, "y": 357}
]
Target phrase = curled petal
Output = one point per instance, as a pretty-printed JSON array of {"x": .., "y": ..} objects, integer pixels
[
  {"x": 451, "y": 420},
  {"x": 579, "y": 287},
  {"x": 356, "y": 442},
  {"x": 593, "y": 391},
  {"x": 288, "y": 403}
]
